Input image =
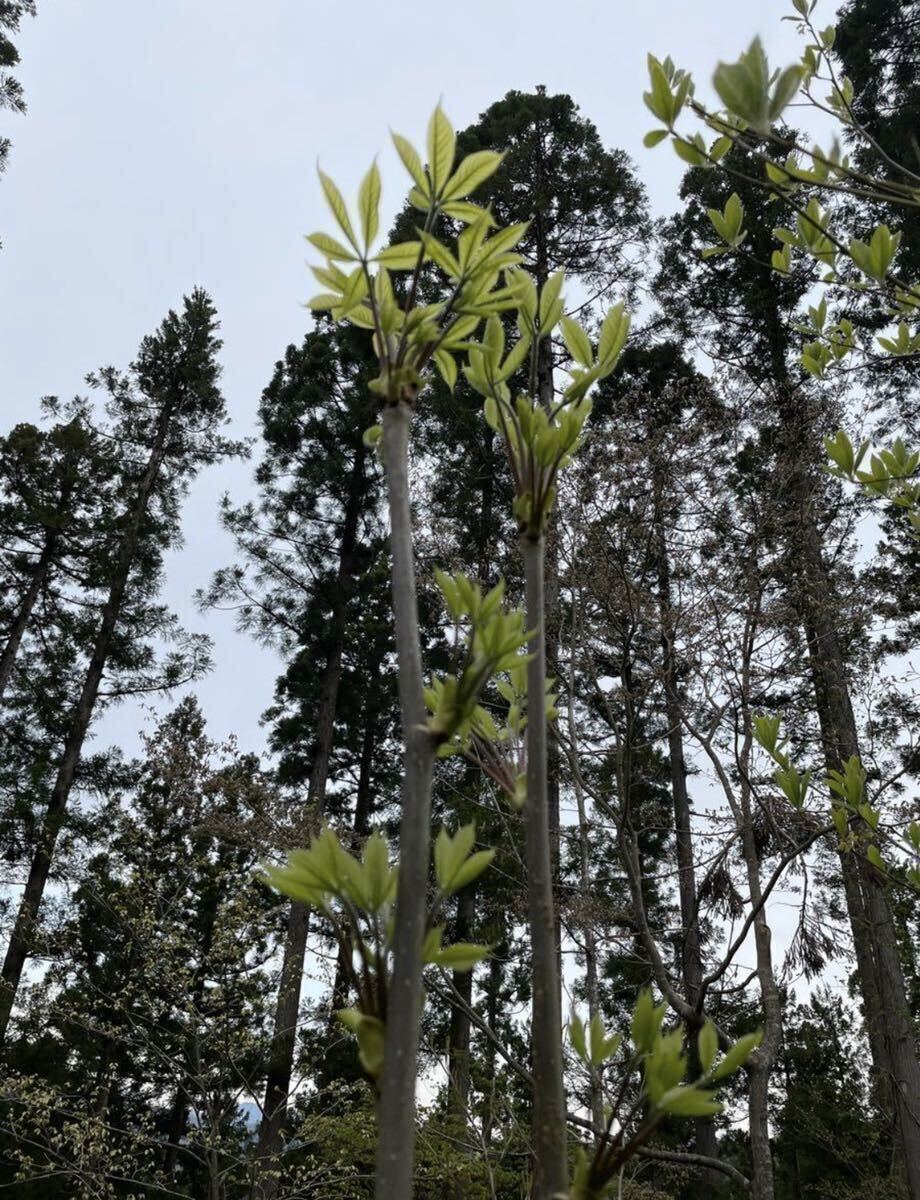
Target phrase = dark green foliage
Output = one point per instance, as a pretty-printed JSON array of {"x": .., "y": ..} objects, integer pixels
[
  {"x": 311, "y": 543},
  {"x": 828, "y": 1142},
  {"x": 11, "y": 92},
  {"x": 148, "y": 1015}
]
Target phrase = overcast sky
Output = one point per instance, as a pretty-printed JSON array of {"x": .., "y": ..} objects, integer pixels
[{"x": 171, "y": 143}]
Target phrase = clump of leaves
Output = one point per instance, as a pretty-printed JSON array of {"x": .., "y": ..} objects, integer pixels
[{"x": 355, "y": 895}]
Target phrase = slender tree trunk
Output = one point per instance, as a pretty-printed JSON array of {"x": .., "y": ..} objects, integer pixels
[
  {"x": 458, "y": 1050},
  {"x": 546, "y": 392},
  {"x": 691, "y": 958},
  {"x": 549, "y": 1112},
  {"x": 592, "y": 991},
  {"x": 492, "y": 988},
  {"x": 40, "y": 575},
  {"x": 287, "y": 1005},
  {"x": 361, "y": 828},
  {"x": 760, "y": 1066},
  {"x": 175, "y": 1128},
  {"x": 23, "y": 929},
  {"x": 186, "y": 1085},
  {"x": 396, "y": 1140},
  {"x": 363, "y": 795}
]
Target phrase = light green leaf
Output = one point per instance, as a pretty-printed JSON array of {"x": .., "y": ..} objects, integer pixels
[
  {"x": 576, "y": 341},
  {"x": 369, "y": 205},
  {"x": 322, "y": 301},
  {"x": 462, "y": 956},
  {"x": 447, "y": 367},
  {"x": 412, "y": 162},
  {"x": 441, "y": 149},
  {"x": 330, "y": 247},
  {"x": 707, "y": 1045},
  {"x": 686, "y": 1101},
  {"x": 474, "y": 170},
  {"x": 439, "y": 254},
  {"x": 646, "y": 1021},
  {"x": 577, "y": 1037},
  {"x": 402, "y": 256},
  {"x": 472, "y": 869},
  {"x": 462, "y": 210},
  {"x": 337, "y": 204},
  {"x": 379, "y": 880},
  {"x": 738, "y": 1054}
]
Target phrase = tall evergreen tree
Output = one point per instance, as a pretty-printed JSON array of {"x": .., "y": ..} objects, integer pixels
[
  {"x": 309, "y": 546},
  {"x": 165, "y": 416}
]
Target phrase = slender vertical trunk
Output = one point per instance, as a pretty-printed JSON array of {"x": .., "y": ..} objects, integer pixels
[
  {"x": 287, "y": 1005},
  {"x": 760, "y": 1065},
  {"x": 396, "y": 1141},
  {"x": 549, "y": 1114},
  {"x": 27, "y": 914},
  {"x": 176, "y": 1121},
  {"x": 458, "y": 1067},
  {"x": 592, "y": 991},
  {"x": 691, "y": 958},
  {"x": 281, "y": 1053},
  {"x": 20, "y": 622},
  {"x": 492, "y": 989},
  {"x": 189, "y": 1072},
  {"x": 546, "y": 394},
  {"x": 363, "y": 795},
  {"x": 361, "y": 828},
  {"x": 458, "y": 1049}
]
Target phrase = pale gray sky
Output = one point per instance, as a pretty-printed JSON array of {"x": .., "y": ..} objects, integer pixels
[{"x": 173, "y": 142}]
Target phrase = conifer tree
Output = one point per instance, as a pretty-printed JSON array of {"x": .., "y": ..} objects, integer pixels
[
  {"x": 165, "y": 417},
  {"x": 309, "y": 547}
]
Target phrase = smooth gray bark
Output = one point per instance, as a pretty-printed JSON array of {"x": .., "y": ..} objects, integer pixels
[
  {"x": 396, "y": 1123},
  {"x": 549, "y": 1112}
]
